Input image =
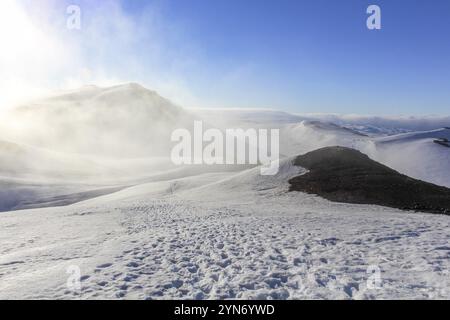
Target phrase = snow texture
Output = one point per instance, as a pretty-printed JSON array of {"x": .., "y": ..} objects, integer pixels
[
  {"x": 223, "y": 236},
  {"x": 137, "y": 227}
]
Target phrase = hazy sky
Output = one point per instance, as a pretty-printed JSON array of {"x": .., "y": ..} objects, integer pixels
[{"x": 299, "y": 56}]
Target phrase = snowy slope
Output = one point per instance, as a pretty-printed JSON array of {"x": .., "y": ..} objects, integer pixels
[
  {"x": 246, "y": 184},
  {"x": 138, "y": 227},
  {"x": 307, "y": 136},
  {"x": 413, "y": 153},
  {"x": 417, "y": 155},
  {"x": 35, "y": 177},
  {"x": 129, "y": 121},
  {"x": 74, "y": 144},
  {"x": 16, "y": 194},
  {"x": 260, "y": 242}
]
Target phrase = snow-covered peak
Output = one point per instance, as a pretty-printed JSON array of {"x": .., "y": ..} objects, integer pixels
[
  {"x": 91, "y": 95},
  {"x": 127, "y": 120}
]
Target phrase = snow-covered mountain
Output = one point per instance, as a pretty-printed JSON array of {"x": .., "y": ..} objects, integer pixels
[
  {"x": 121, "y": 121},
  {"x": 347, "y": 175},
  {"x": 89, "y": 173},
  {"x": 105, "y": 137},
  {"x": 418, "y": 154},
  {"x": 414, "y": 153},
  {"x": 84, "y": 143},
  {"x": 307, "y": 136}
]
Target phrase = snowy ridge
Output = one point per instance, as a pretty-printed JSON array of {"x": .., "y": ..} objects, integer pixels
[
  {"x": 311, "y": 135},
  {"x": 197, "y": 232},
  {"x": 255, "y": 243},
  {"x": 249, "y": 182},
  {"x": 417, "y": 155}
]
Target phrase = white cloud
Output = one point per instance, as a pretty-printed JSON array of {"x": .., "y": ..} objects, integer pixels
[
  {"x": 39, "y": 54},
  {"x": 27, "y": 54}
]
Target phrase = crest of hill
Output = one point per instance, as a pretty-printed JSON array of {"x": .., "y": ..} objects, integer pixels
[
  {"x": 346, "y": 175},
  {"x": 126, "y": 121}
]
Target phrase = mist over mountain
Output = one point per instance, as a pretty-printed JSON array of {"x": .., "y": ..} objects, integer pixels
[
  {"x": 224, "y": 150},
  {"x": 88, "y": 131},
  {"x": 366, "y": 124},
  {"x": 121, "y": 121},
  {"x": 86, "y": 178},
  {"x": 406, "y": 148}
]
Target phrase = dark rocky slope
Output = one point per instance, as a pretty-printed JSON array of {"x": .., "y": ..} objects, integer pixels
[{"x": 346, "y": 175}]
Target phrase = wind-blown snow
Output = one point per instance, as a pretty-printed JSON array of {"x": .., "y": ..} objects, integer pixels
[
  {"x": 122, "y": 121},
  {"x": 414, "y": 154},
  {"x": 129, "y": 122}
]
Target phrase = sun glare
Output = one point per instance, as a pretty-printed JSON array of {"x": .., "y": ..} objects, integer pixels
[{"x": 26, "y": 53}]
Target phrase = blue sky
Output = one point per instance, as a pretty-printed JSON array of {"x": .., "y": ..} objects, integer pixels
[{"x": 298, "y": 56}]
